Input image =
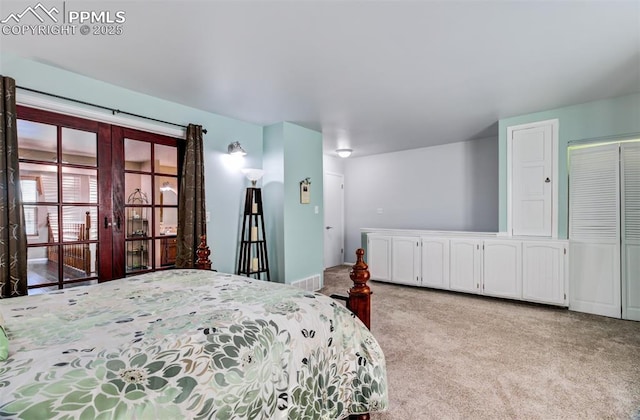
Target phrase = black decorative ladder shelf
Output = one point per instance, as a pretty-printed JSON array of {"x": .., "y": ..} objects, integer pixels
[{"x": 253, "y": 261}]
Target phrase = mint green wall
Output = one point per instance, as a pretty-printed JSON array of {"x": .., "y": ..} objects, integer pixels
[
  {"x": 295, "y": 232},
  {"x": 273, "y": 199},
  {"x": 303, "y": 230},
  {"x": 225, "y": 186},
  {"x": 608, "y": 118}
]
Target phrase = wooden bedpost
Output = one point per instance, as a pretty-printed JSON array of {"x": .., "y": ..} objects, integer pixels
[
  {"x": 203, "y": 262},
  {"x": 359, "y": 301}
]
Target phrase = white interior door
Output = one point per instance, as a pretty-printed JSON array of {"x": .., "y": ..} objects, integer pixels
[
  {"x": 532, "y": 180},
  {"x": 630, "y": 161},
  {"x": 594, "y": 230},
  {"x": 333, "y": 219}
]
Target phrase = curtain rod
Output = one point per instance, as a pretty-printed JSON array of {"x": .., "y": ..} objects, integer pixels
[{"x": 113, "y": 111}]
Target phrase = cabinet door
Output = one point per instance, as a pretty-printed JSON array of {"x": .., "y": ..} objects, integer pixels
[
  {"x": 466, "y": 265},
  {"x": 543, "y": 268},
  {"x": 405, "y": 260},
  {"x": 435, "y": 263},
  {"x": 379, "y": 257},
  {"x": 503, "y": 269}
]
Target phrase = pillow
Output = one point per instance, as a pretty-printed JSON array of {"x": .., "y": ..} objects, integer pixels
[{"x": 4, "y": 341}]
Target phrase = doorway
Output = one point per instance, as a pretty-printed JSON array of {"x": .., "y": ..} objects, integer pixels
[
  {"x": 77, "y": 178},
  {"x": 333, "y": 219}
]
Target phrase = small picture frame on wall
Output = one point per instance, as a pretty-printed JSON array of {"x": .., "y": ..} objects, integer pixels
[{"x": 305, "y": 191}]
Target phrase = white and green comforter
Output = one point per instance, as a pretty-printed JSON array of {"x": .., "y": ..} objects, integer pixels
[{"x": 187, "y": 344}]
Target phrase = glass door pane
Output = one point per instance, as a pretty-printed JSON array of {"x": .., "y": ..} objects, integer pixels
[
  {"x": 60, "y": 181},
  {"x": 37, "y": 141},
  {"x": 150, "y": 200},
  {"x": 166, "y": 158},
  {"x": 79, "y": 147},
  {"x": 166, "y": 204}
]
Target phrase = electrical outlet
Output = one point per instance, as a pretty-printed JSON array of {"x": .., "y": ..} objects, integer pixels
[{"x": 317, "y": 209}]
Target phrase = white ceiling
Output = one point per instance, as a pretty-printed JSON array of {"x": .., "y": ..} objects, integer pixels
[{"x": 373, "y": 76}]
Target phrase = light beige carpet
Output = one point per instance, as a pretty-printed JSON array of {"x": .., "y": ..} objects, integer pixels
[{"x": 458, "y": 356}]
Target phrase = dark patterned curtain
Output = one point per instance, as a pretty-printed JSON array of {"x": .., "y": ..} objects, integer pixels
[
  {"x": 191, "y": 202},
  {"x": 13, "y": 235}
]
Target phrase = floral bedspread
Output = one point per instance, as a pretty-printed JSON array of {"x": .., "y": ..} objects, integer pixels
[{"x": 187, "y": 344}]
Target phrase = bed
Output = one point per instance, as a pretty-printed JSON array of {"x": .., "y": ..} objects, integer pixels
[{"x": 178, "y": 344}]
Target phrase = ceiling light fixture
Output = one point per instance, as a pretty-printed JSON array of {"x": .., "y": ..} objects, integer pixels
[
  {"x": 235, "y": 149},
  {"x": 344, "y": 153}
]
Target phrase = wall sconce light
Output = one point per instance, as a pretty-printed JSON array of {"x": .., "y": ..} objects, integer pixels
[
  {"x": 235, "y": 149},
  {"x": 344, "y": 153}
]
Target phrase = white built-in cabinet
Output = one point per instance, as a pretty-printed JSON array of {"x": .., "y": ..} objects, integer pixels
[
  {"x": 405, "y": 260},
  {"x": 435, "y": 262},
  {"x": 394, "y": 258},
  {"x": 513, "y": 268},
  {"x": 502, "y": 268},
  {"x": 466, "y": 265},
  {"x": 490, "y": 267},
  {"x": 379, "y": 256},
  {"x": 544, "y": 272}
]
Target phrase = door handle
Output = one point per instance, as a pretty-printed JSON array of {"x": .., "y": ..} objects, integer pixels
[
  {"x": 329, "y": 227},
  {"x": 106, "y": 222},
  {"x": 547, "y": 180}
]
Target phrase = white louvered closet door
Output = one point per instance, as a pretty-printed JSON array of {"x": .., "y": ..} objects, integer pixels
[
  {"x": 630, "y": 167},
  {"x": 594, "y": 230}
]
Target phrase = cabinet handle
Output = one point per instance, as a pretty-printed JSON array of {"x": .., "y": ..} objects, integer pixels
[
  {"x": 118, "y": 223},
  {"x": 106, "y": 222}
]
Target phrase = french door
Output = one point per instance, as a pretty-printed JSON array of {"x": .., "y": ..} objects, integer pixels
[
  {"x": 145, "y": 201},
  {"x": 100, "y": 201}
]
